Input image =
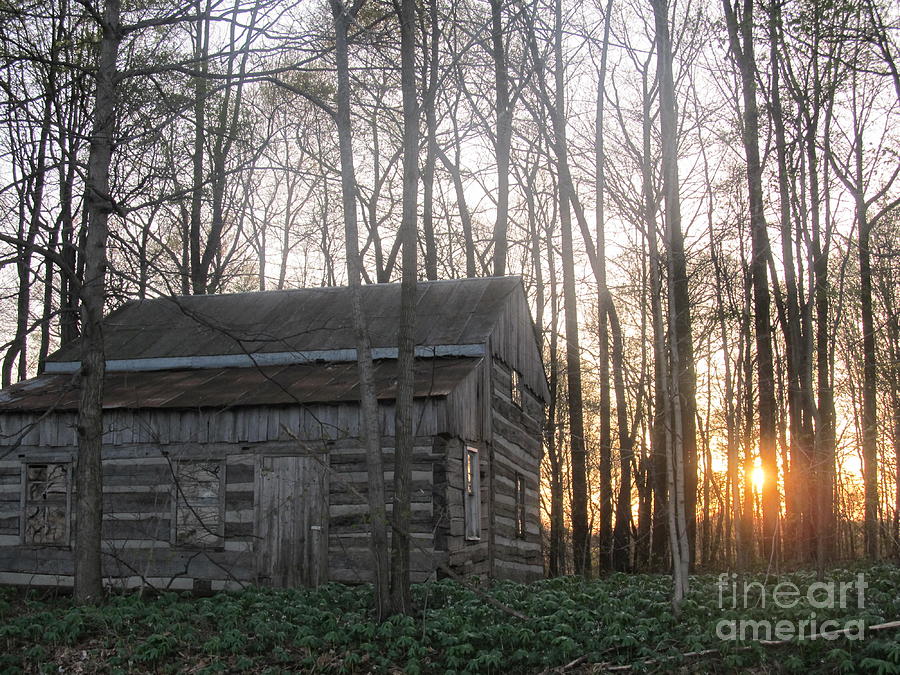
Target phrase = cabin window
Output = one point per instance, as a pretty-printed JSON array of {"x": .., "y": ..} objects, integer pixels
[
  {"x": 47, "y": 503},
  {"x": 198, "y": 504},
  {"x": 472, "y": 495},
  {"x": 520, "y": 506},
  {"x": 516, "y": 388}
]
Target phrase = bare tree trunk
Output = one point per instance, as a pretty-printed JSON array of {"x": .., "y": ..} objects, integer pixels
[
  {"x": 680, "y": 309},
  {"x": 195, "y": 234},
  {"x": 853, "y": 175},
  {"x": 746, "y": 541},
  {"x": 69, "y": 280},
  {"x": 581, "y": 534},
  {"x": 464, "y": 215},
  {"x": 557, "y": 515},
  {"x": 800, "y": 403},
  {"x": 621, "y": 536},
  {"x": 678, "y": 534},
  {"x": 30, "y": 209},
  {"x": 555, "y": 107},
  {"x": 893, "y": 344},
  {"x": 870, "y": 373},
  {"x": 369, "y": 403},
  {"x": 682, "y": 464},
  {"x": 227, "y": 130},
  {"x": 741, "y": 40},
  {"x": 643, "y": 554},
  {"x": 885, "y": 283},
  {"x": 431, "y": 146},
  {"x": 47, "y": 313},
  {"x": 99, "y": 205},
  {"x": 286, "y": 234},
  {"x": 658, "y": 446},
  {"x": 400, "y": 578},
  {"x": 705, "y": 555},
  {"x": 822, "y": 436},
  {"x": 606, "y": 534},
  {"x": 730, "y": 419},
  {"x": 503, "y": 113}
]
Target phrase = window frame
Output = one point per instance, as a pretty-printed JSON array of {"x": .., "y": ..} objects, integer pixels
[
  {"x": 26, "y": 502},
  {"x": 472, "y": 492},
  {"x": 516, "y": 394},
  {"x": 178, "y": 497},
  {"x": 521, "y": 487}
]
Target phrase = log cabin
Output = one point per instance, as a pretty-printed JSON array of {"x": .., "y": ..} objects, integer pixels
[{"x": 232, "y": 452}]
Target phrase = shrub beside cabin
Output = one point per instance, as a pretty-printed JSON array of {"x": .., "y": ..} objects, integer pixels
[{"x": 231, "y": 452}]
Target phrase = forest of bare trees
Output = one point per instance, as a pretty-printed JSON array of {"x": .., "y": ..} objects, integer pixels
[{"x": 703, "y": 201}]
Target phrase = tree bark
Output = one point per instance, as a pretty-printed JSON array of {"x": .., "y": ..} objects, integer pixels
[
  {"x": 893, "y": 378},
  {"x": 679, "y": 308},
  {"x": 800, "y": 525},
  {"x": 431, "y": 271},
  {"x": 98, "y": 205},
  {"x": 401, "y": 601},
  {"x": 465, "y": 217},
  {"x": 503, "y": 114},
  {"x": 621, "y": 553},
  {"x": 581, "y": 535},
  {"x": 741, "y": 41},
  {"x": 369, "y": 404},
  {"x": 603, "y": 300},
  {"x": 555, "y": 107},
  {"x": 870, "y": 373},
  {"x": 683, "y": 454},
  {"x": 557, "y": 516},
  {"x": 195, "y": 226}
]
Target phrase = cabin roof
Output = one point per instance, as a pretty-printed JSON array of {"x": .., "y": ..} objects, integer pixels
[
  {"x": 454, "y": 312},
  {"x": 296, "y": 346},
  {"x": 224, "y": 387}
]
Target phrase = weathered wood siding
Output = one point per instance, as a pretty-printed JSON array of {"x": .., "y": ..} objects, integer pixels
[
  {"x": 140, "y": 452},
  {"x": 515, "y": 343},
  {"x": 292, "y": 520},
  {"x": 516, "y": 451},
  {"x": 465, "y": 556},
  {"x": 313, "y": 424},
  {"x": 138, "y": 503},
  {"x": 349, "y": 555},
  {"x": 141, "y": 446},
  {"x": 468, "y": 406}
]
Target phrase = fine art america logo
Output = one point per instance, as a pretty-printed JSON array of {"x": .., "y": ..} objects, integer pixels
[{"x": 819, "y": 595}]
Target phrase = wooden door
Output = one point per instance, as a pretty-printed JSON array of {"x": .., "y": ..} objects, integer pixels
[{"x": 292, "y": 521}]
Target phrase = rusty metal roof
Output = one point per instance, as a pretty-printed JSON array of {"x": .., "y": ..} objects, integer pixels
[
  {"x": 454, "y": 312},
  {"x": 225, "y": 387}
]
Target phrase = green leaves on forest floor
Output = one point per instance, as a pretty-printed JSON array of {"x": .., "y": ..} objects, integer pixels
[{"x": 619, "y": 619}]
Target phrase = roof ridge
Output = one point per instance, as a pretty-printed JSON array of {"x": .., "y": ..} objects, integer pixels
[
  {"x": 419, "y": 282},
  {"x": 298, "y": 319}
]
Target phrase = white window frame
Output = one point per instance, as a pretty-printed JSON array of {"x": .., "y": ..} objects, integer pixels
[
  {"x": 521, "y": 513},
  {"x": 472, "y": 492},
  {"x": 515, "y": 389},
  {"x": 27, "y": 502}
]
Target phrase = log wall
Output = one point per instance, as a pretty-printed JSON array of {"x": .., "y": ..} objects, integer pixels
[
  {"x": 349, "y": 555},
  {"x": 141, "y": 446},
  {"x": 516, "y": 451},
  {"x": 138, "y": 460},
  {"x": 139, "y": 505}
]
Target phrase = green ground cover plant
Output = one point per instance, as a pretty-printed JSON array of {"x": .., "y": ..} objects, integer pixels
[{"x": 618, "y": 620}]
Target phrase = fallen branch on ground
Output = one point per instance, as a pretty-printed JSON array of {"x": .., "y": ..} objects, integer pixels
[{"x": 610, "y": 667}]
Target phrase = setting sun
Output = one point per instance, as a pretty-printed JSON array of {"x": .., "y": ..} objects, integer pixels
[{"x": 759, "y": 477}]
